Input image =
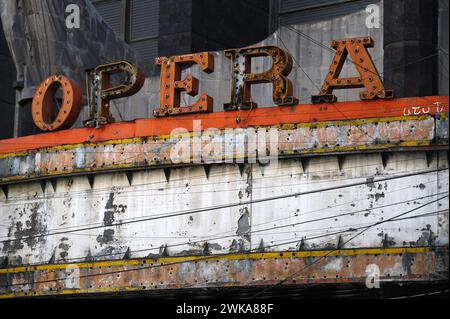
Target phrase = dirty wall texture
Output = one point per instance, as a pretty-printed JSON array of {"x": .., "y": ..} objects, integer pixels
[
  {"x": 120, "y": 215},
  {"x": 42, "y": 45}
]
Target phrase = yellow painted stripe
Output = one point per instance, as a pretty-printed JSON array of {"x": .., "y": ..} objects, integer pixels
[
  {"x": 267, "y": 255},
  {"x": 367, "y": 147}
]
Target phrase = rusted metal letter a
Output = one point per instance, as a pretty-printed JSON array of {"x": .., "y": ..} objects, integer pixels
[{"x": 368, "y": 77}]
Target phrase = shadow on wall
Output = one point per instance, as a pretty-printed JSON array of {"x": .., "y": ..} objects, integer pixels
[{"x": 7, "y": 94}]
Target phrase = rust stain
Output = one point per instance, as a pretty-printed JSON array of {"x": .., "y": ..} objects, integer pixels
[
  {"x": 336, "y": 136},
  {"x": 304, "y": 113},
  {"x": 217, "y": 271}
]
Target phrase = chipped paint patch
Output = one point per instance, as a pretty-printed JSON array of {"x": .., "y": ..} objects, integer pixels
[
  {"x": 233, "y": 270},
  {"x": 294, "y": 139}
]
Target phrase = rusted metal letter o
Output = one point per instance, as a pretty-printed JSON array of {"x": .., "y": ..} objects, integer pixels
[{"x": 43, "y": 102}]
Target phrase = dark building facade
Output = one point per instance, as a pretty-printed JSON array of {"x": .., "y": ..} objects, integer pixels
[
  {"x": 7, "y": 94},
  {"x": 160, "y": 28}
]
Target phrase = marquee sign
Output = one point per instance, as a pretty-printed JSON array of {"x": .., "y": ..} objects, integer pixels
[{"x": 100, "y": 91}]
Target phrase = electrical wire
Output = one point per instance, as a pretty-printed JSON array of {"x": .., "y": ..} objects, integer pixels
[
  {"x": 241, "y": 203},
  {"x": 374, "y": 181},
  {"x": 206, "y": 258},
  {"x": 346, "y": 242},
  {"x": 422, "y": 295},
  {"x": 218, "y": 236},
  {"x": 107, "y": 190},
  {"x": 355, "y": 63}
]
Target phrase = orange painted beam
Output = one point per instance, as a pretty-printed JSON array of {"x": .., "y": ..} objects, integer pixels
[{"x": 302, "y": 113}]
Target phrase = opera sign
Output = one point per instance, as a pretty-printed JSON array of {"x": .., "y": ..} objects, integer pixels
[{"x": 100, "y": 92}]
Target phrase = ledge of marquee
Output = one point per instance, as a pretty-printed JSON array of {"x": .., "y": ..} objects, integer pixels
[
  {"x": 270, "y": 116},
  {"x": 410, "y": 124}
]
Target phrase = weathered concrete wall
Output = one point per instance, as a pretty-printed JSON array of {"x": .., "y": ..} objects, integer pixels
[{"x": 310, "y": 221}]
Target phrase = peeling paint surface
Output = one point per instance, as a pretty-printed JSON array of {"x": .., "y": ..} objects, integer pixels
[
  {"x": 127, "y": 211},
  {"x": 295, "y": 139},
  {"x": 141, "y": 209},
  {"x": 257, "y": 269}
]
